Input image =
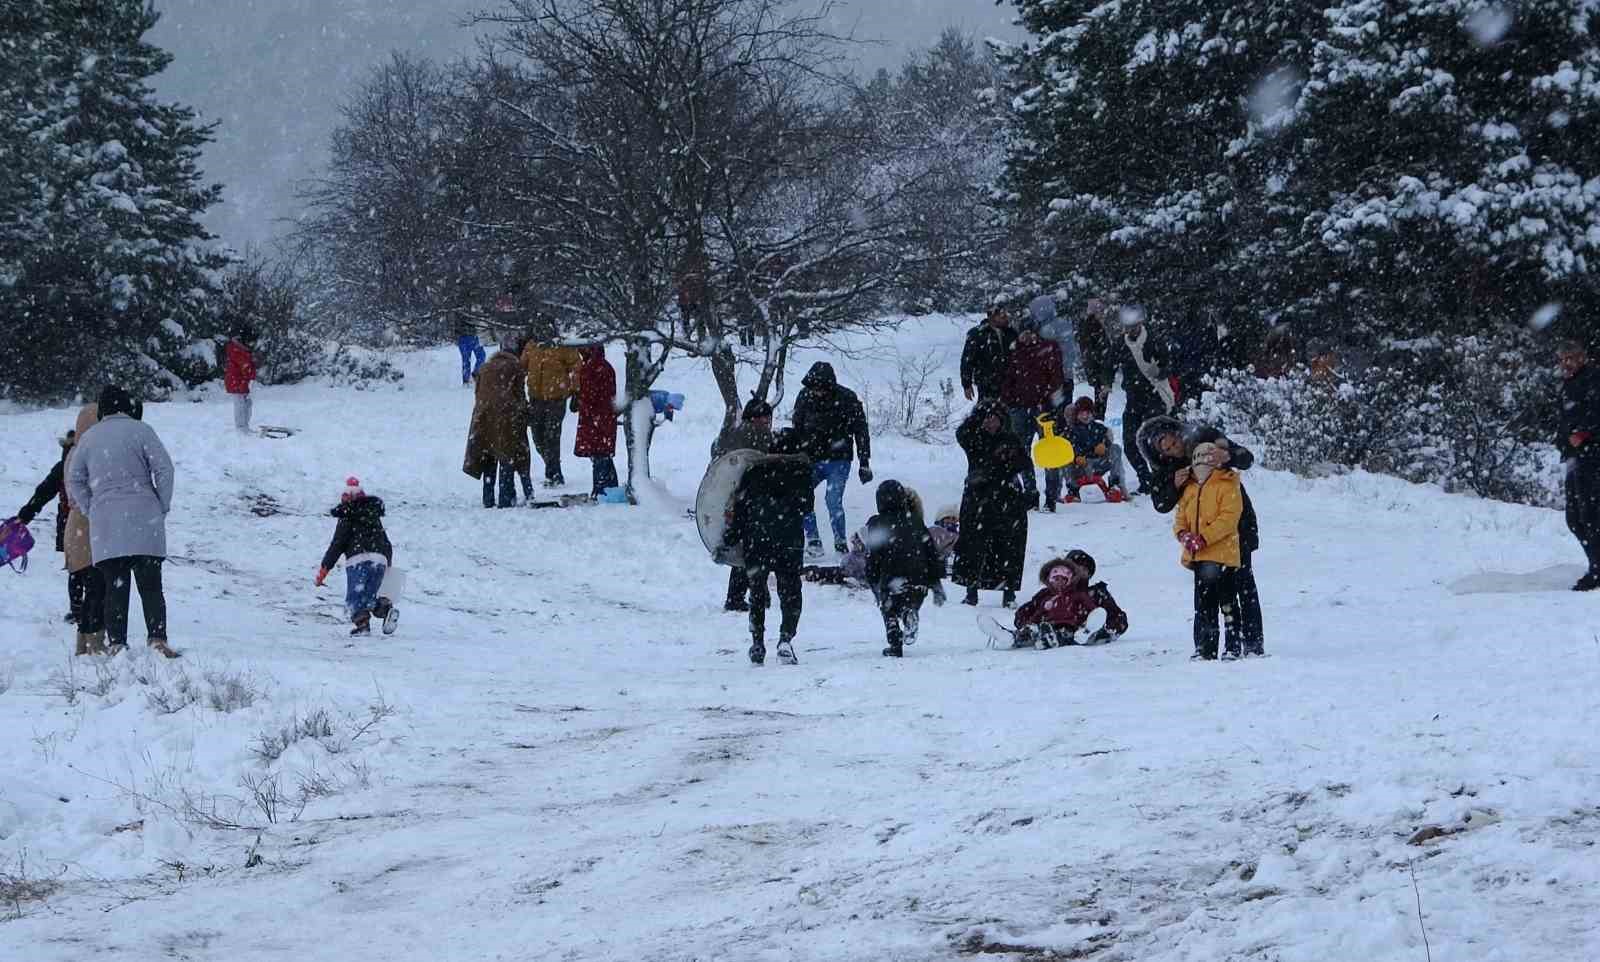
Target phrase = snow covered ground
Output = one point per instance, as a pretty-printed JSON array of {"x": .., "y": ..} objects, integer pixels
[{"x": 563, "y": 753}]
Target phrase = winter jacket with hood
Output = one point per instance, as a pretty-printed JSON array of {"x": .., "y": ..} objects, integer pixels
[
  {"x": 498, "y": 432},
  {"x": 829, "y": 420},
  {"x": 1070, "y": 607},
  {"x": 597, "y": 406},
  {"x": 1164, "y": 493},
  {"x": 552, "y": 372},
  {"x": 773, "y": 496},
  {"x": 900, "y": 551},
  {"x": 121, "y": 477},
  {"x": 241, "y": 368},
  {"x": 984, "y": 357},
  {"x": 994, "y": 503},
  {"x": 359, "y": 531},
  {"x": 742, "y": 436},
  {"x": 1213, "y": 511},
  {"x": 1580, "y": 413}
]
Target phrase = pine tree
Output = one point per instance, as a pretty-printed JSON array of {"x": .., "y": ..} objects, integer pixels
[{"x": 104, "y": 269}]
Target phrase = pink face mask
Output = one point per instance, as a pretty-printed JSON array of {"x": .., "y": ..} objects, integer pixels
[{"x": 1061, "y": 577}]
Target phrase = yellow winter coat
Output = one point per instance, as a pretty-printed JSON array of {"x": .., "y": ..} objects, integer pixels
[
  {"x": 1212, "y": 510},
  {"x": 552, "y": 372}
]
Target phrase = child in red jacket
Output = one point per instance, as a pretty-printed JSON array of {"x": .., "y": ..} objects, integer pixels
[
  {"x": 1058, "y": 612},
  {"x": 236, "y": 378}
]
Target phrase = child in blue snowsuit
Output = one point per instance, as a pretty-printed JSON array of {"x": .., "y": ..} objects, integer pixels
[{"x": 360, "y": 539}]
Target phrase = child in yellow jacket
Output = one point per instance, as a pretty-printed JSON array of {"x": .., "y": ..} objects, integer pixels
[{"x": 1206, "y": 524}]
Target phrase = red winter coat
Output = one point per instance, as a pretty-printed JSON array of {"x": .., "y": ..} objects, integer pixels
[
  {"x": 1033, "y": 376},
  {"x": 241, "y": 369},
  {"x": 1071, "y": 608},
  {"x": 597, "y": 410}
]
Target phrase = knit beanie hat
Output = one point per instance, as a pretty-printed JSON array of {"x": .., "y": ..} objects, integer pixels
[
  {"x": 352, "y": 489},
  {"x": 1084, "y": 403},
  {"x": 756, "y": 408}
]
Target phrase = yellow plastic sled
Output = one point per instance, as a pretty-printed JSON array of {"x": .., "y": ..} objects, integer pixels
[{"x": 1052, "y": 451}]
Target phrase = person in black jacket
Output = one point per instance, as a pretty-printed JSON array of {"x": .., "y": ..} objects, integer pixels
[
  {"x": 1578, "y": 439},
  {"x": 1168, "y": 445},
  {"x": 360, "y": 539},
  {"x": 831, "y": 427},
  {"x": 772, "y": 497},
  {"x": 1146, "y": 382},
  {"x": 994, "y": 505},
  {"x": 1095, "y": 352},
  {"x": 54, "y": 488},
  {"x": 903, "y": 565},
  {"x": 985, "y": 356}
]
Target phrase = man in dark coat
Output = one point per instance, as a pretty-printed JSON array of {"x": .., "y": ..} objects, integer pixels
[
  {"x": 1578, "y": 439},
  {"x": 1168, "y": 445},
  {"x": 1146, "y": 383},
  {"x": 985, "y": 355},
  {"x": 752, "y": 432},
  {"x": 772, "y": 498},
  {"x": 903, "y": 565},
  {"x": 54, "y": 488},
  {"x": 831, "y": 427},
  {"x": 994, "y": 505},
  {"x": 1094, "y": 347}
]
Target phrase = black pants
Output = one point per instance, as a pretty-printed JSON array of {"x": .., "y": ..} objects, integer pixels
[
  {"x": 87, "y": 589},
  {"x": 1583, "y": 505},
  {"x": 1131, "y": 420},
  {"x": 605, "y": 475},
  {"x": 1215, "y": 593},
  {"x": 508, "y": 486},
  {"x": 789, "y": 600},
  {"x": 545, "y": 418},
  {"x": 902, "y": 613},
  {"x": 120, "y": 575},
  {"x": 738, "y": 587},
  {"x": 1252, "y": 633}
]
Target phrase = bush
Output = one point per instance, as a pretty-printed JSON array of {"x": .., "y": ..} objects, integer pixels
[{"x": 1473, "y": 415}]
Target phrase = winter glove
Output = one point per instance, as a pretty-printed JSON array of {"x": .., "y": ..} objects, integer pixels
[
  {"x": 1192, "y": 542},
  {"x": 322, "y": 576},
  {"x": 938, "y": 596},
  {"x": 865, "y": 474},
  {"x": 25, "y": 516},
  {"x": 1100, "y": 450}
]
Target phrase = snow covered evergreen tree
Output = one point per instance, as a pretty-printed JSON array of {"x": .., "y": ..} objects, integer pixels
[{"x": 104, "y": 268}]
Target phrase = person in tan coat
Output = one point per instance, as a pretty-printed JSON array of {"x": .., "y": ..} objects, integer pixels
[
  {"x": 552, "y": 382},
  {"x": 497, "y": 440},
  {"x": 84, "y": 580},
  {"x": 1206, "y": 524}
]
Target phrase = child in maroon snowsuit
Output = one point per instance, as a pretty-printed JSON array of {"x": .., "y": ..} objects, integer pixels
[{"x": 1055, "y": 615}]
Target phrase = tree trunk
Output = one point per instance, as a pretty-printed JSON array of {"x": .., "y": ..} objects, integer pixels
[
  {"x": 638, "y": 427},
  {"x": 726, "y": 373}
]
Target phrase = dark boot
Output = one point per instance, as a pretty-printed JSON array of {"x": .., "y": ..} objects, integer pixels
[
  {"x": 1589, "y": 582},
  {"x": 363, "y": 623},
  {"x": 894, "y": 651},
  {"x": 971, "y": 598},
  {"x": 1008, "y": 599}
]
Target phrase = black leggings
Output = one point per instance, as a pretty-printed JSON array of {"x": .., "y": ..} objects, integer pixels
[
  {"x": 789, "y": 600},
  {"x": 902, "y": 614},
  {"x": 120, "y": 575},
  {"x": 87, "y": 589},
  {"x": 1252, "y": 633},
  {"x": 1215, "y": 593}
]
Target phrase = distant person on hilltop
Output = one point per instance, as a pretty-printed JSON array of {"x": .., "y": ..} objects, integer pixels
[
  {"x": 985, "y": 355},
  {"x": 831, "y": 426},
  {"x": 240, "y": 371},
  {"x": 1578, "y": 440},
  {"x": 469, "y": 344}
]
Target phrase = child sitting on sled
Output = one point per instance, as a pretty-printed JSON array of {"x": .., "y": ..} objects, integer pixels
[
  {"x": 360, "y": 539},
  {"x": 1059, "y": 611}
]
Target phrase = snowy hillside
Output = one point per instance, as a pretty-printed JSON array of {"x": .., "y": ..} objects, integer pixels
[{"x": 564, "y": 754}]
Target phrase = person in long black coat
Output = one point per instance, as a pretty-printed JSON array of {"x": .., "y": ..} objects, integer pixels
[
  {"x": 1168, "y": 445},
  {"x": 772, "y": 498},
  {"x": 994, "y": 505}
]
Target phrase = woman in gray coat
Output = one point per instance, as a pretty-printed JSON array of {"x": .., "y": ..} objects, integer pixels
[{"x": 120, "y": 477}]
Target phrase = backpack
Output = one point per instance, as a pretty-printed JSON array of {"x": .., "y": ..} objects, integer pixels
[{"x": 15, "y": 543}]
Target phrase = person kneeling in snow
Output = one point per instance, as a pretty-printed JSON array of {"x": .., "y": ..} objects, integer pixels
[
  {"x": 903, "y": 564},
  {"x": 1054, "y": 616},
  {"x": 361, "y": 540}
]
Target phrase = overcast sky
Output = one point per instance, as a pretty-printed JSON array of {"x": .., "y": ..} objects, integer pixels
[{"x": 273, "y": 72}]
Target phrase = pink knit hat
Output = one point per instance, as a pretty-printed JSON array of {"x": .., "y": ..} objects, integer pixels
[{"x": 352, "y": 489}]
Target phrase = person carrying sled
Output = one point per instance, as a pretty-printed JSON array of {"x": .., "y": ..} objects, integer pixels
[
  {"x": 751, "y": 432},
  {"x": 1169, "y": 446},
  {"x": 994, "y": 505},
  {"x": 54, "y": 488},
  {"x": 1206, "y": 525},
  {"x": 903, "y": 565},
  {"x": 360, "y": 539},
  {"x": 1578, "y": 440},
  {"x": 497, "y": 437},
  {"x": 1053, "y": 617},
  {"x": 767, "y": 526},
  {"x": 831, "y": 425},
  {"x": 237, "y": 375},
  {"x": 1097, "y": 457}
]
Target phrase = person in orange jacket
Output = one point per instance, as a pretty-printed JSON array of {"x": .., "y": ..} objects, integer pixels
[
  {"x": 1206, "y": 524},
  {"x": 236, "y": 377}
]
